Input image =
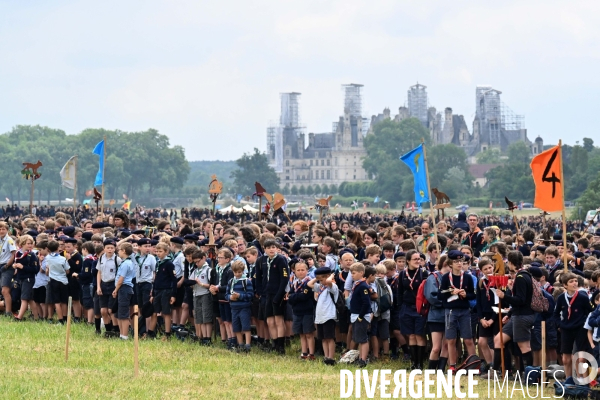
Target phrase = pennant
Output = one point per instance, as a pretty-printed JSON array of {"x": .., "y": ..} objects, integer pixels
[
  {"x": 415, "y": 160},
  {"x": 67, "y": 174},
  {"x": 376, "y": 199},
  {"x": 546, "y": 168},
  {"x": 89, "y": 192},
  {"x": 125, "y": 196},
  {"x": 99, "y": 150},
  {"x": 8, "y": 200},
  {"x": 127, "y": 205},
  {"x": 239, "y": 198}
]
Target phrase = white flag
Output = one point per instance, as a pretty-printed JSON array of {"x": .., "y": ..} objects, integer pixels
[{"x": 67, "y": 174}]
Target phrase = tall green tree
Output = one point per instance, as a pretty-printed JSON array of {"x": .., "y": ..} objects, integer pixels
[
  {"x": 389, "y": 141},
  {"x": 254, "y": 168},
  {"x": 489, "y": 156}
]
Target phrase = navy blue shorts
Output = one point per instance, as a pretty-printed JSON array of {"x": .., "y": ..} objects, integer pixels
[
  {"x": 411, "y": 322},
  {"x": 87, "y": 296},
  {"x": 380, "y": 328},
  {"x": 143, "y": 293},
  {"x": 303, "y": 324},
  {"x": 458, "y": 319},
  {"x": 395, "y": 320},
  {"x": 124, "y": 298},
  {"x": 360, "y": 331},
  {"x": 536, "y": 336},
  {"x": 551, "y": 334},
  {"x": 241, "y": 318},
  {"x": 225, "y": 311}
]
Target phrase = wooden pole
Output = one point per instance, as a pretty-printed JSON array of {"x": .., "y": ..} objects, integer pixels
[
  {"x": 68, "y": 327},
  {"x": 501, "y": 336},
  {"x": 259, "y": 208},
  {"x": 103, "y": 177},
  {"x": 564, "y": 216},
  {"x": 136, "y": 361},
  {"x": 31, "y": 195},
  {"x": 434, "y": 227},
  {"x": 75, "y": 188},
  {"x": 543, "y": 349}
]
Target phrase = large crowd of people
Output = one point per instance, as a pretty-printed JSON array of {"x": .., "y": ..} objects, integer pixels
[{"x": 391, "y": 286}]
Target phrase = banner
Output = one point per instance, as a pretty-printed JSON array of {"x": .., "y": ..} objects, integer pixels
[
  {"x": 546, "y": 168},
  {"x": 415, "y": 160},
  {"x": 99, "y": 150},
  {"x": 67, "y": 174}
]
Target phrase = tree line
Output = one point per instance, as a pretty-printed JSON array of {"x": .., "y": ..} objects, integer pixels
[{"x": 138, "y": 164}]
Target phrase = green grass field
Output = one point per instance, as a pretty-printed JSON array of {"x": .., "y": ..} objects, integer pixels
[{"x": 33, "y": 359}]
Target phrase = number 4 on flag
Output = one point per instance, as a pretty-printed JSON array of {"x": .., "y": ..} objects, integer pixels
[{"x": 547, "y": 174}]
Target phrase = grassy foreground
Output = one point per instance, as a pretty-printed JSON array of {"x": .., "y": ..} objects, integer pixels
[{"x": 33, "y": 359}]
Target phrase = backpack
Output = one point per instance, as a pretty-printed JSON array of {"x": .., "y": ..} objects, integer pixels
[
  {"x": 423, "y": 305},
  {"x": 340, "y": 304},
  {"x": 384, "y": 298},
  {"x": 539, "y": 302}
]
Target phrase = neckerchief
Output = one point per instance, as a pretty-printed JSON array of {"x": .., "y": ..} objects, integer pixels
[
  {"x": 357, "y": 283},
  {"x": 341, "y": 277},
  {"x": 424, "y": 242},
  {"x": 462, "y": 275},
  {"x": 299, "y": 283},
  {"x": 220, "y": 271},
  {"x": 20, "y": 254},
  {"x": 269, "y": 261},
  {"x": 411, "y": 280},
  {"x": 570, "y": 302},
  {"x": 487, "y": 287},
  {"x": 141, "y": 264}
]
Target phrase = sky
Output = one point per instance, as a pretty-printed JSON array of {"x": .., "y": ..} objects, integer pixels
[{"x": 208, "y": 73}]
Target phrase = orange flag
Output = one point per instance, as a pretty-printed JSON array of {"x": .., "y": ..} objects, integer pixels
[{"x": 546, "y": 168}]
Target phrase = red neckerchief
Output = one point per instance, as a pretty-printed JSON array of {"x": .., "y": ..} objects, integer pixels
[
  {"x": 462, "y": 275},
  {"x": 299, "y": 283},
  {"x": 487, "y": 288},
  {"x": 90, "y": 257},
  {"x": 22, "y": 254},
  {"x": 357, "y": 283},
  {"x": 341, "y": 277},
  {"x": 570, "y": 303},
  {"x": 410, "y": 283}
]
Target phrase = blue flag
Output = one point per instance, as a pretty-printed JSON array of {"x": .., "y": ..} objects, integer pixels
[
  {"x": 376, "y": 199},
  {"x": 415, "y": 159},
  {"x": 239, "y": 198},
  {"x": 99, "y": 150}
]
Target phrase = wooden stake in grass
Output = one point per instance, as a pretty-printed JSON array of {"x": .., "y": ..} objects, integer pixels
[
  {"x": 68, "y": 327},
  {"x": 543, "y": 349},
  {"x": 136, "y": 361}
]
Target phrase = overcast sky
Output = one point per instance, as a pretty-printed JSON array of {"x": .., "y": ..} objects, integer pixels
[{"x": 208, "y": 73}]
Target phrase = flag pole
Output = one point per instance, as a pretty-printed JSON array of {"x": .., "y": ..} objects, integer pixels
[
  {"x": 434, "y": 227},
  {"x": 564, "y": 216},
  {"x": 75, "y": 189},
  {"x": 103, "y": 167}
]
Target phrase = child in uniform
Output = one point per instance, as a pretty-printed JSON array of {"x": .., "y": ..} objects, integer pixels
[
  {"x": 124, "y": 288},
  {"x": 58, "y": 290},
  {"x": 360, "y": 312},
  {"x": 326, "y": 292},
  {"x": 203, "y": 307},
  {"x": 163, "y": 290},
  {"x": 86, "y": 279},
  {"x": 239, "y": 294},
  {"x": 26, "y": 264},
  {"x": 456, "y": 289},
  {"x": 572, "y": 309},
  {"x": 303, "y": 305}
]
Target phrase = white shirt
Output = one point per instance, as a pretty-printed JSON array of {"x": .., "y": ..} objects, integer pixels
[
  {"x": 7, "y": 244},
  {"x": 325, "y": 309}
]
